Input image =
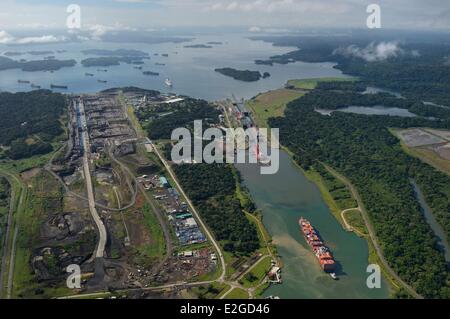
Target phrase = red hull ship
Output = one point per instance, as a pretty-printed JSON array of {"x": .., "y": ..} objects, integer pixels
[{"x": 321, "y": 251}]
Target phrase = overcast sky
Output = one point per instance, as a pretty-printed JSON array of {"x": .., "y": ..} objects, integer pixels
[{"x": 259, "y": 14}]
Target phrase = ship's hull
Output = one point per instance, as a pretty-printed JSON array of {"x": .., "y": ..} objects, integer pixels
[{"x": 322, "y": 253}]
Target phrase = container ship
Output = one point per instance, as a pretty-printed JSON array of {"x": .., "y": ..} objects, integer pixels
[{"x": 321, "y": 251}]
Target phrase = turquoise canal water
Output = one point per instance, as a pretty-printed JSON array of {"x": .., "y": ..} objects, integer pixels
[{"x": 283, "y": 198}]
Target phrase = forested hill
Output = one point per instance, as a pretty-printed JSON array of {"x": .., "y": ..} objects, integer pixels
[
  {"x": 212, "y": 188},
  {"x": 362, "y": 148},
  {"x": 30, "y": 121},
  {"x": 417, "y": 66}
]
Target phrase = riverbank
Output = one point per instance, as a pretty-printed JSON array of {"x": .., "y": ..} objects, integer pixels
[{"x": 331, "y": 189}]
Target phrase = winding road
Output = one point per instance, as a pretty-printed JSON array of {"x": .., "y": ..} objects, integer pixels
[{"x": 371, "y": 231}]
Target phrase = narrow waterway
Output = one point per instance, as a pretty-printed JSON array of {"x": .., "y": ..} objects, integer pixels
[
  {"x": 283, "y": 198},
  {"x": 431, "y": 220}
]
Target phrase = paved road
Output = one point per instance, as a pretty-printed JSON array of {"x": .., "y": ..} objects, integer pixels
[
  {"x": 371, "y": 231},
  {"x": 100, "y": 249},
  {"x": 194, "y": 211}
]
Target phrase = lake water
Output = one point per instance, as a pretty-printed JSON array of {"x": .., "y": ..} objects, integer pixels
[
  {"x": 435, "y": 226},
  {"x": 191, "y": 70},
  {"x": 283, "y": 198},
  {"x": 372, "y": 110}
]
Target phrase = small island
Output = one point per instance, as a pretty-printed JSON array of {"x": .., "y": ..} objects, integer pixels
[
  {"x": 32, "y": 66},
  {"x": 40, "y": 52},
  {"x": 103, "y": 61},
  {"x": 150, "y": 73},
  {"x": 246, "y": 75},
  {"x": 264, "y": 62},
  {"x": 116, "y": 53},
  {"x": 198, "y": 46},
  {"x": 12, "y": 53}
]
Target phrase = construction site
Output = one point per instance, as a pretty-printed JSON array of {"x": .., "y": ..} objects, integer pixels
[{"x": 131, "y": 227}]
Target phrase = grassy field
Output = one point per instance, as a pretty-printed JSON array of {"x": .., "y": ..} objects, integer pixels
[
  {"x": 157, "y": 248},
  {"x": 254, "y": 277},
  {"x": 429, "y": 157},
  {"x": 212, "y": 291},
  {"x": 310, "y": 84},
  {"x": 355, "y": 220},
  {"x": 237, "y": 293},
  {"x": 271, "y": 104}
]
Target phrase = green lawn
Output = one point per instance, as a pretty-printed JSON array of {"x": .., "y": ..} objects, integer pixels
[
  {"x": 271, "y": 104},
  {"x": 157, "y": 247},
  {"x": 237, "y": 293},
  {"x": 254, "y": 277},
  {"x": 212, "y": 291},
  {"x": 355, "y": 220}
]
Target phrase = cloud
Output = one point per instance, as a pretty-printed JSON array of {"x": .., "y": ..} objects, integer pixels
[
  {"x": 99, "y": 30},
  {"x": 374, "y": 52},
  {"x": 6, "y": 38},
  {"x": 255, "y": 29},
  {"x": 278, "y": 6}
]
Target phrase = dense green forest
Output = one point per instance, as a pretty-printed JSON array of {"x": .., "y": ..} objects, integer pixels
[
  {"x": 212, "y": 188},
  {"x": 362, "y": 148},
  {"x": 241, "y": 75},
  {"x": 30, "y": 121},
  {"x": 419, "y": 69},
  {"x": 160, "y": 121}
]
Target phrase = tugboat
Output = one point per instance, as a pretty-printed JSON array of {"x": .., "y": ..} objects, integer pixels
[{"x": 322, "y": 252}]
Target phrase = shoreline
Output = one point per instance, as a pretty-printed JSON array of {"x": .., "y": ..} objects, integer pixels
[{"x": 317, "y": 179}]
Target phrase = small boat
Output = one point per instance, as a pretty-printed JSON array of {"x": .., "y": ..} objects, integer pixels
[
  {"x": 23, "y": 81},
  {"x": 54, "y": 86},
  {"x": 102, "y": 81},
  {"x": 168, "y": 82},
  {"x": 34, "y": 86},
  {"x": 150, "y": 73},
  {"x": 333, "y": 275},
  {"x": 89, "y": 74}
]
